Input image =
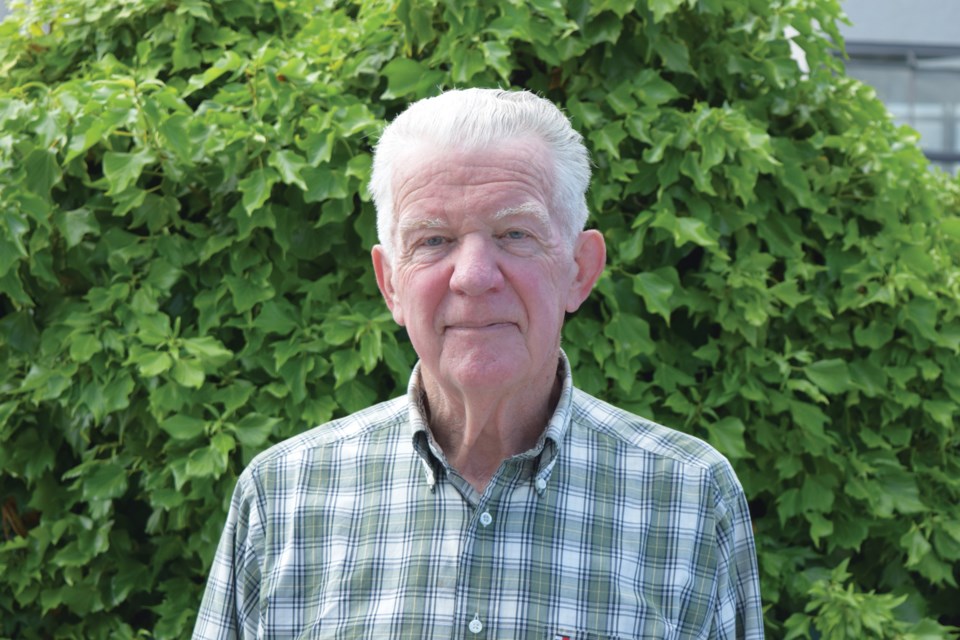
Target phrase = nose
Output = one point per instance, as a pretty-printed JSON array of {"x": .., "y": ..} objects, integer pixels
[{"x": 475, "y": 267}]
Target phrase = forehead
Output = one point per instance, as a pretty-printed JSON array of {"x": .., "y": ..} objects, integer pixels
[{"x": 508, "y": 175}]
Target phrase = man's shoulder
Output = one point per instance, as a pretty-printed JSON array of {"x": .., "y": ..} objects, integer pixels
[
  {"x": 643, "y": 435},
  {"x": 366, "y": 422}
]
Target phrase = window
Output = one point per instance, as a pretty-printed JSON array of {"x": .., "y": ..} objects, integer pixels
[{"x": 921, "y": 88}]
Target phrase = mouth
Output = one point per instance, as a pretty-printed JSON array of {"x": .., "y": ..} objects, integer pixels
[{"x": 476, "y": 326}]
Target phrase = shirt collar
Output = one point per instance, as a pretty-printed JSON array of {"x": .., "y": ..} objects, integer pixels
[{"x": 546, "y": 450}]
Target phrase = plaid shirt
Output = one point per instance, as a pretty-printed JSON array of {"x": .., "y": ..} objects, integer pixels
[{"x": 611, "y": 527}]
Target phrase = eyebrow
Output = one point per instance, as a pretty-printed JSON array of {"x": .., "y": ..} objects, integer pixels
[
  {"x": 525, "y": 209},
  {"x": 406, "y": 226}
]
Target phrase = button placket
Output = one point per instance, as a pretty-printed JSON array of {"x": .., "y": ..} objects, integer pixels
[
  {"x": 483, "y": 541},
  {"x": 475, "y": 625},
  {"x": 479, "y": 579}
]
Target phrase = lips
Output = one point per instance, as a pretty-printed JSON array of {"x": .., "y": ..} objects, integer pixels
[{"x": 479, "y": 326}]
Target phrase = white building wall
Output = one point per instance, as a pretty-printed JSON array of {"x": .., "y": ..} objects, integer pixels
[
  {"x": 909, "y": 51},
  {"x": 914, "y": 22}
]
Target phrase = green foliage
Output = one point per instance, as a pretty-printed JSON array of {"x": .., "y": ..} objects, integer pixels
[
  {"x": 843, "y": 612},
  {"x": 184, "y": 280}
]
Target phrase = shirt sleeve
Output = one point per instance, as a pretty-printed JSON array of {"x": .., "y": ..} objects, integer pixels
[
  {"x": 739, "y": 613},
  {"x": 231, "y": 603}
]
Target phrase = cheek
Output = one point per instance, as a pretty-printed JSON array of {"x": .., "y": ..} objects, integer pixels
[
  {"x": 418, "y": 297},
  {"x": 542, "y": 306}
]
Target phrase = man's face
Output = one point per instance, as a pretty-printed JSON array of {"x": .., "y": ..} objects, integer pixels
[{"x": 481, "y": 275}]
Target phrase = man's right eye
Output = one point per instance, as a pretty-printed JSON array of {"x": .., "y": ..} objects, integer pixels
[{"x": 433, "y": 241}]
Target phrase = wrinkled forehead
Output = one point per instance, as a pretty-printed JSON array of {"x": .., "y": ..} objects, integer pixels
[
  {"x": 467, "y": 165},
  {"x": 509, "y": 172}
]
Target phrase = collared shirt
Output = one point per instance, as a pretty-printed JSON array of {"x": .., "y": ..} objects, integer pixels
[{"x": 611, "y": 527}]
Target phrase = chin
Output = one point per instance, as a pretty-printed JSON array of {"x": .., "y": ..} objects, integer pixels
[{"x": 479, "y": 371}]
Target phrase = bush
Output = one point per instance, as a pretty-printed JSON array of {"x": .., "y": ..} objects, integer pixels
[{"x": 184, "y": 280}]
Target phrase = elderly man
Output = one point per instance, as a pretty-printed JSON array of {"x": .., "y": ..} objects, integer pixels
[{"x": 494, "y": 500}]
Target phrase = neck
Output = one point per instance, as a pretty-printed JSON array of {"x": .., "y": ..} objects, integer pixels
[{"x": 477, "y": 432}]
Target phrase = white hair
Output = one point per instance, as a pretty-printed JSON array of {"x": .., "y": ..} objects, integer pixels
[{"x": 469, "y": 119}]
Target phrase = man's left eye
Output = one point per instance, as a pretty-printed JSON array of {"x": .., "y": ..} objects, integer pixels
[{"x": 515, "y": 235}]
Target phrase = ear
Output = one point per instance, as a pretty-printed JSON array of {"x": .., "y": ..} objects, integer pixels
[
  {"x": 384, "y": 272},
  {"x": 590, "y": 256}
]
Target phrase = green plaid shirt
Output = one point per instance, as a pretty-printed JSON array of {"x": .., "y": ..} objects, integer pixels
[{"x": 611, "y": 527}]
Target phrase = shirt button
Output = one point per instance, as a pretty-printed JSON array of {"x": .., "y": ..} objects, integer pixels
[
  {"x": 475, "y": 626},
  {"x": 485, "y": 520},
  {"x": 541, "y": 484}
]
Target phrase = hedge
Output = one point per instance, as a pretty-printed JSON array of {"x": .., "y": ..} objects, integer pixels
[{"x": 184, "y": 280}]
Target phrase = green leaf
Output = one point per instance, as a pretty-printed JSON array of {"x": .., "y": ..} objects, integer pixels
[
  {"x": 254, "y": 429},
  {"x": 183, "y": 427},
  {"x": 663, "y": 8},
  {"x": 123, "y": 169},
  {"x": 811, "y": 420},
  {"x": 355, "y": 119},
  {"x": 19, "y": 331},
  {"x": 174, "y": 132},
  {"x": 41, "y": 171},
  {"x": 337, "y": 330},
  {"x": 656, "y": 291},
  {"x": 230, "y": 61},
  {"x": 652, "y": 89},
  {"x": 204, "y": 462},
  {"x": 691, "y": 167},
  {"x": 685, "y": 230},
  {"x": 675, "y": 54},
  {"x": 7, "y": 409},
  {"x": 727, "y": 436},
  {"x": 619, "y": 7},
  {"x": 951, "y": 226},
  {"x": 275, "y": 317},
  {"x": 84, "y": 346},
  {"x": 795, "y": 179},
  {"x": 609, "y": 138},
  {"x": 208, "y": 350},
  {"x": 371, "y": 349},
  {"x": 76, "y": 224},
  {"x": 466, "y": 62},
  {"x": 498, "y": 55},
  {"x": 922, "y": 316},
  {"x": 197, "y": 8},
  {"x": 106, "y": 482},
  {"x": 324, "y": 183},
  {"x": 789, "y": 293},
  {"x": 833, "y": 376},
  {"x": 289, "y": 164},
  {"x": 917, "y": 546},
  {"x": 942, "y": 412},
  {"x": 346, "y": 364},
  {"x": 189, "y": 373},
  {"x": 820, "y": 527},
  {"x": 874, "y": 335},
  {"x": 104, "y": 398},
  {"x": 897, "y": 491},
  {"x": 153, "y": 363},
  {"x": 184, "y": 54},
  {"x": 247, "y": 293},
  {"x": 355, "y": 396},
  {"x": 817, "y": 494},
  {"x": 630, "y": 335},
  {"x": 407, "y": 77},
  {"x": 256, "y": 188},
  {"x": 867, "y": 377}
]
